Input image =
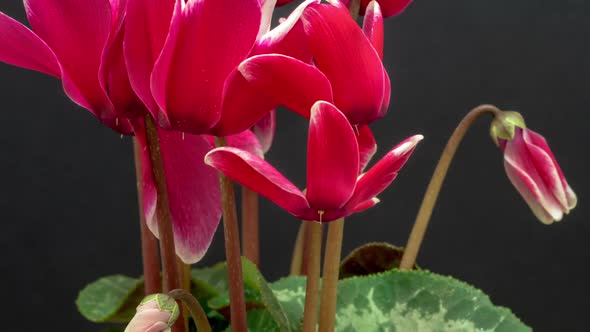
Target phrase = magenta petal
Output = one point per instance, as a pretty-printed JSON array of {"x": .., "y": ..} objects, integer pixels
[
  {"x": 76, "y": 31},
  {"x": 193, "y": 191},
  {"x": 530, "y": 193},
  {"x": 264, "y": 130},
  {"x": 343, "y": 53},
  {"x": 262, "y": 83},
  {"x": 367, "y": 146},
  {"x": 383, "y": 172},
  {"x": 207, "y": 40},
  {"x": 373, "y": 26},
  {"x": 332, "y": 158},
  {"x": 287, "y": 38},
  {"x": 549, "y": 169},
  {"x": 256, "y": 174},
  {"x": 246, "y": 141},
  {"x": 366, "y": 205},
  {"x": 115, "y": 80},
  {"x": 20, "y": 47},
  {"x": 146, "y": 27},
  {"x": 523, "y": 173}
]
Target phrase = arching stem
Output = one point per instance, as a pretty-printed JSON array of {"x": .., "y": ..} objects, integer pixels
[
  {"x": 440, "y": 172},
  {"x": 194, "y": 307}
]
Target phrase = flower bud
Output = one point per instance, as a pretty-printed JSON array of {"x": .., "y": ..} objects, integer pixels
[
  {"x": 504, "y": 124},
  {"x": 155, "y": 313},
  {"x": 533, "y": 170}
]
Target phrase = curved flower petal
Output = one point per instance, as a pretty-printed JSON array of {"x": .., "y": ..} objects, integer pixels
[
  {"x": 386, "y": 95},
  {"x": 256, "y": 174},
  {"x": 264, "y": 130},
  {"x": 146, "y": 27},
  {"x": 367, "y": 146},
  {"x": 389, "y": 7},
  {"x": 262, "y": 83},
  {"x": 344, "y": 54},
  {"x": 549, "y": 169},
  {"x": 114, "y": 78},
  {"x": 245, "y": 140},
  {"x": 193, "y": 191},
  {"x": 207, "y": 40},
  {"x": 383, "y": 172},
  {"x": 531, "y": 193},
  {"x": 332, "y": 158},
  {"x": 523, "y": 173},
  {"x": 366, "y": 205},
  {"x": 287, "y": 38},
  {"x": 20, "y": 47},
  {"x": 373, "y": 26},
  {"x": 76, "y": 31}
]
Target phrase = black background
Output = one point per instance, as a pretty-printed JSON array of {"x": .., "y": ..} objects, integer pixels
[{"x": 68, "y": 201}]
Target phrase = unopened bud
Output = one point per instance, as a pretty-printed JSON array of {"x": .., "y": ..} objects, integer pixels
[{"x": 156, "y": 312}]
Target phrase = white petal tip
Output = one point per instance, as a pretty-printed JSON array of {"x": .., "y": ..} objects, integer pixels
[{"x": 407, "y": 145}]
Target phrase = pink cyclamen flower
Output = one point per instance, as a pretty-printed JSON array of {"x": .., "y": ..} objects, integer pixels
[
  {"x": 533, "y": 170},
  {"x": 155, "y": 313},
  {"x": 347, "y": 71},
  {"x": 334, "y": 187},
  {"x": 205, "y": 42},
  {"x": 71, "y": 40}
]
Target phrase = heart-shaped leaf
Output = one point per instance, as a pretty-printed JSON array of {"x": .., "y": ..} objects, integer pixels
[
  {"x": 371, "y": 258},
  {"x": 398, "y": 301},
  {"x": 110, "y": 299}
]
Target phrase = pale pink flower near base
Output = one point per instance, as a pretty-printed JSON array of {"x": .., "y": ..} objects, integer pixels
[{"x": 156, "y": 313}]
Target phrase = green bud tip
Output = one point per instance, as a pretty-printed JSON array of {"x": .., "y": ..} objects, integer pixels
[
  {"x": 164, "y": 303},
  {"x": 504, "y": 125}
]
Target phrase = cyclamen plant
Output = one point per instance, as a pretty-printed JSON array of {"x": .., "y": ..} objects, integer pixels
[{"x": 197, "y": 82}]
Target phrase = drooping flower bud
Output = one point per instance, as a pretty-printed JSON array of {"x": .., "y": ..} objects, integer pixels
[
  {"x": 533, "y": 170},
  {"x": 155, "y": 313}
]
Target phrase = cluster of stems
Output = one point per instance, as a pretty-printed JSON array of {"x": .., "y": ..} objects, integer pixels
[{"x": 308, "y": 247}]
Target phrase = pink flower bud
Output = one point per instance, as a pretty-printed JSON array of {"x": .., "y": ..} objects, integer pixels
[
  {"x": 533, "y": 170},
  {"x": 156, "y": 313}
]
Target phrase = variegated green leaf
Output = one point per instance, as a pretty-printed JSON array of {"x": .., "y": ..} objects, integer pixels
[{"x": 399, "y": 301}]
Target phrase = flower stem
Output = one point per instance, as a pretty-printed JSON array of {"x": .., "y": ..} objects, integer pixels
[
  {"x": 184, "y": 272},
  {"x": 297, "y": 258},
  {"x": 438, "y": 177},
  {"x": 354, "y": 7},
  {"x": 194, "y": 307},
  {"x": 149, "y": 243},
  {"x": 232, "y": 251},
  {"x": 310, "y": 312},
  {"x": 167, "y": 252},
  {"x": 250, "y": 233},
  {"x": 330, "y": 275}
]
